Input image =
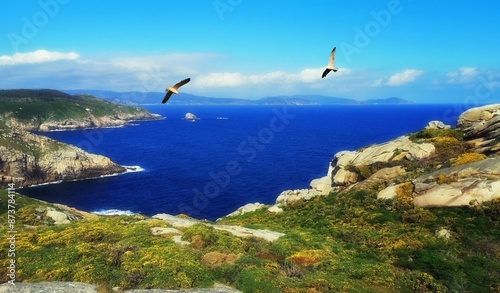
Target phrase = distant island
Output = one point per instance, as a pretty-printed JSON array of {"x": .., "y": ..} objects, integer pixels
[{"x": 145, "y": 98}]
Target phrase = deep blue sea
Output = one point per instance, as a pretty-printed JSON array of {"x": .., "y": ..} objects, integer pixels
[{"x": 231, "y": 156}]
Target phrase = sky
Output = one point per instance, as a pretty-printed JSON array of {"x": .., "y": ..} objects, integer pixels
[{"x": 420, "y": 50}]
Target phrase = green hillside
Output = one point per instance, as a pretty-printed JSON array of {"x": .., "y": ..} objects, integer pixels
[
  {"x": 38, "y": 106},
  {"x": 338, "y": 243}
]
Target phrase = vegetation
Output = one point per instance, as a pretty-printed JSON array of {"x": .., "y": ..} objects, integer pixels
[
  {"x": 38, "y": 106},
  {"x": 348, "y": 242}
]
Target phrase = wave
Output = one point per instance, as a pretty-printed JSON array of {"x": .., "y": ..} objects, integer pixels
[
  {"x": 131, "y": 169},
  {"x": 113, "y": 212}
]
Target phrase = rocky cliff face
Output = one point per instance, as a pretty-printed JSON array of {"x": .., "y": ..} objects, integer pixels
[
  {"x": 481, "y": 126},
  {"x": 27, "y": 159},
  {"x": 90, "y": 121},
  {"x": 437, "y": 167}
]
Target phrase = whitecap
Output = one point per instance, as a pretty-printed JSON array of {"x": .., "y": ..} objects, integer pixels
[
  {"x": 133, "y": 168},
  {"x": 113, "y": 212}
]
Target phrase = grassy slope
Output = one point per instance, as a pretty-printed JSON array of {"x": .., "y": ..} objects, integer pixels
[
  {"x": 51, "y": 105},
  {"x": 350, "y": 242}
]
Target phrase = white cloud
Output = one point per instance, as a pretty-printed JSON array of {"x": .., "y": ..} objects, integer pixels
[
  {"x": 234, "y": 79},
  {"x": 224, "y": 79},
  {"x": 462, "y": 75},
  {"x": 404, "y": 77},
  {"x": 39, "y": 56}
]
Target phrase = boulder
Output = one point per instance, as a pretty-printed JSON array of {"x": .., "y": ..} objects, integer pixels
[
  {"x": 288, "y": 196},
  {"x": 275, "y": 209},
  {"x": 156, "y": 231},
  {"x": 437, "y": 125},
  {"x": 443, "y": 233},
  {"x": 481, "y": 125},
  {"x": 472, "y": 182},
  {"x": 248, "y": 208},
  {"x": 402, "y": 148},
  {"x": 58, "y": 217}
]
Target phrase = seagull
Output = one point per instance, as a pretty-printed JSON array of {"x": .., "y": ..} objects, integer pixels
[
  {"x": 330, "y": 67},
  {"x": 173, "y": 89}
]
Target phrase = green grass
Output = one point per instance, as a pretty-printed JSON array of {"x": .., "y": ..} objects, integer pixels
[
  {"x": 341, "y": 242},
  {"x": 38, "y": 106}
]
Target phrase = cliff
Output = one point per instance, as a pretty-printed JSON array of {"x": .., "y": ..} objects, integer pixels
[
  {"x": 27, "y": 159},
  {"x": 439, "y": 166},
  {"x": 45, "y": 110}
]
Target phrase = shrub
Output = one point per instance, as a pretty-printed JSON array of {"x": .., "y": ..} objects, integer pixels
[
  {"x": 467, "y": 158},
  {"x": 364, "y": 171},
  {"x": 445, "y": 179},
  {"x": 404, "y": 199}
]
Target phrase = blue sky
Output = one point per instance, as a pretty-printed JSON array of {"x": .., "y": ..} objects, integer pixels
[{"x": 421, "y": 50}]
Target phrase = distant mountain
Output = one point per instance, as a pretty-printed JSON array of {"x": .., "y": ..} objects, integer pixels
[{"x": 145, "y": 98}]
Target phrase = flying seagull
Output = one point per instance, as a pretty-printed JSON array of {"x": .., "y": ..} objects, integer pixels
[
  {"x": 330, "y": 67},
  {"x": 173, "y": 89}
]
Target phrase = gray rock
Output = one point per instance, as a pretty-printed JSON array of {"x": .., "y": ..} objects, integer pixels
[
  {"x": 288, "y": 196},
  {"x": 157, "y": 231},
  {"x": 481, "y": 125},
  {"x": 75, "y": 287},
  {"x": 235, "y": 230},
  {"x": 48, "y": 287},
  {"x": 248, "y": 208},
  {"x": 443, "y": 233},
  {"x": 394, "y": 150},
  {"x": 58, "y": 217},
  {"x": 437, "y": 125},
  {"x": 275, "y": 209}
]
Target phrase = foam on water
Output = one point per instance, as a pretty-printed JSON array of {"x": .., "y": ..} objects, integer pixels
[{"x": 113, "y": 212}]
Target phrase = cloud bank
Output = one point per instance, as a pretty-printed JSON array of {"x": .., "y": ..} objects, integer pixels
[
  {"x": 401, "y": 78},
  {"x": 39, "y": 56}
]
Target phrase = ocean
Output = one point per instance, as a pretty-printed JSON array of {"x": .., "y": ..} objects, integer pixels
[{"x": 230, "y": 156}]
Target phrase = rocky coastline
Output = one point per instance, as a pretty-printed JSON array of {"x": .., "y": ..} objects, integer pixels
[
  {"x": 116, "y": 120},
  {"x": 29, "y": 159},
  {"x": 439, "y": 166},
  {"x": 404, "y": 166}
]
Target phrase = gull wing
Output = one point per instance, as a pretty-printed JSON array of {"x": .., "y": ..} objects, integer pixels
[
  {"x": 325, "y": 72},
  {"x": 167, "y": 96},
  {"x": 181, "y": 83},
  {"x": 332, "y": 57}
]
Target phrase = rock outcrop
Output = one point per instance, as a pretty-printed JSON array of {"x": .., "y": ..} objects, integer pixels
[
  {"x": 350, "y": 167},
  {"x": 28, "y": 159},
  {"x": 76, "y": 287},
  {"x": 455, "y": 186},
  {"x": 481, "y": 126},
  {"x": 238, "y": 231},
  {"x": 460, "y": 185}
]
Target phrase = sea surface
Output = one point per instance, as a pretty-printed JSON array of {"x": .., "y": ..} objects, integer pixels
[{"x": 231, "y": 156}]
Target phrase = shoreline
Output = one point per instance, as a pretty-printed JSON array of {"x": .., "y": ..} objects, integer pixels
[{"x": 128, "y": 169}]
